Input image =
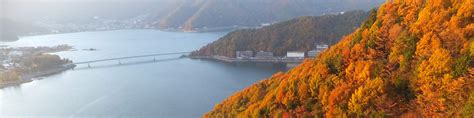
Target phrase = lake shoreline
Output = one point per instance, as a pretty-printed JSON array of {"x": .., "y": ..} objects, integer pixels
[
  {"x": 27, "y": 78},
  {"x": 235, "y": 60}
]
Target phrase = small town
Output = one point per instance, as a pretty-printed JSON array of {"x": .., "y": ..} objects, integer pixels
[{"x": 263, "y": 56}]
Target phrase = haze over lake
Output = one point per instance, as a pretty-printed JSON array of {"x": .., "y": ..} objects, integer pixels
[{"x": 169, "y": 87}]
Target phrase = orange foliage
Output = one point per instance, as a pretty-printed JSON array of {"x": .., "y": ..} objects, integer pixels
[{"x": 411, "y": 58}]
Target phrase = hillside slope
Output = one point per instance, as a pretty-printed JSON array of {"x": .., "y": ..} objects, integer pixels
[
  {"x": 411, "y": 58},
  {"x": 214, "y": 14},
  {"x": 300, "y": 34}
]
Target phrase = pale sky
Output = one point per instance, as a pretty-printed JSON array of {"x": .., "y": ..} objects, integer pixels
[
  {"x": 33, "y": 9},
  {"x": 89, "y": 0}
]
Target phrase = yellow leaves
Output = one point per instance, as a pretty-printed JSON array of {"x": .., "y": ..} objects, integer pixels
[
  {"x": 359, "y": 71},
  {"x": 357, "y": 51},
  {"x": 470, "y": 48},
  {"x": 395, "y": 31},
  {"x": 323, "y": 94},
  {"x": 317, "y": 79},
  {"x": 441, "y": 96},
  {"x": 452, "y": 85},
  {"x": 438, "y": 3},
  {"x": 304, "y": 91},
  {"x": 468, "y": 110},
  {"x": 440, "y": 61},
  {"x": 338, "y": 100},
  {"x": 465, "y": 12},
  {"x": 440, "y": 92},
  {"x": 363, "y": 101},
  {"x": 426, "y": 45},
  {"x": 358, "y": 102},
  {"x": 409, "y": 9},
  {"x": 469, "y": 31},
  {"x": 289, "y": 100},
  {"x": 436, "y": 66}
]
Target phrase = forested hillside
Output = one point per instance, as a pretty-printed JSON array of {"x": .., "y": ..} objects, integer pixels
[
  {"x": 217, "y": 14},
  {"x": 410, "y": 58},
  {"x": 300, "y": 34}
]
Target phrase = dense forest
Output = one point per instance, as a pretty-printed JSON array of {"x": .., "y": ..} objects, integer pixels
[
  {"x": 200, "y": 14},
  {"x": 300, "y": 34},
  {"x": 411, "y": 58}
]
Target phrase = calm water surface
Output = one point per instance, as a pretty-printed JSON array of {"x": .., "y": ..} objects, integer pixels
[{"x": 169, "y": 87}]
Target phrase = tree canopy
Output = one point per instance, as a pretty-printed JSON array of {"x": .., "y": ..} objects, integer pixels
[{"x": 410, "y": 58}]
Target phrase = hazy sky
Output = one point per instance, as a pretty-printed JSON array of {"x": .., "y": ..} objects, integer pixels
[
  {"x": 73, "y": 9},
  {"x": 89, "y": 0},
  {"x": 83, "y": 9}
]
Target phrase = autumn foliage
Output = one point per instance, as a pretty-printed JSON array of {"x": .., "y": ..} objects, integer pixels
[{"x": 410, "y": 58}]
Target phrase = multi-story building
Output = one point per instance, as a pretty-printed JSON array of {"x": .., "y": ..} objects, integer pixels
[
  {"x": 263, "y": 54},
  {"x": 313, "y": 53},
  {"x": 243, "y": 54},
  {"x": 295, "y": 54}
]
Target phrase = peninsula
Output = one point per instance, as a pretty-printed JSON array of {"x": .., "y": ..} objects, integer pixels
[{"x": 22, "y": 64}]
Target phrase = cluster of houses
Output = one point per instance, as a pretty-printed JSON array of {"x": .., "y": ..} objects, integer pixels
[
  {"x": 6, "y": 59},
  {"x": 11, "y": 58},
  {"x": 289, "y": 55}
]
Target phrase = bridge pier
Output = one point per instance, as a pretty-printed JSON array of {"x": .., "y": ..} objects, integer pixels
[
  {"x": 120, "y": 62},
  {"x": 89, "y": 65},
  {"x": 154, "y": 59}
]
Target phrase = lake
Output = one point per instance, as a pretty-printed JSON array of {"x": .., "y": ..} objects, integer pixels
[{"x": 169, "y": 87}]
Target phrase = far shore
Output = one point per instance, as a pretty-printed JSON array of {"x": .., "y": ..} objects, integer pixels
[{"x": 227, "y": 29}]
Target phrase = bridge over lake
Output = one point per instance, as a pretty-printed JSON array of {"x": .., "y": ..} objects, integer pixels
[{"x": 128, "y": 57}]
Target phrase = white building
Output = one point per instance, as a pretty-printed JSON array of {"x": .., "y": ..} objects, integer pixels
[
  {"x": 295, "y": 54},
  {"x": 313, "y": 53},
  {"x": 243, "y": 54},
  {"x": 263, "y": 54},
  {"x": 320, "y": 48},
  {"x": 15, "y": 53},
  {"x": 266, "y": 24},
  {"x": 7, "y": 64}
]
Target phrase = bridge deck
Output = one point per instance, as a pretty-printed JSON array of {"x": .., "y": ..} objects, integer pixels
[{"x": 129, "y": 57}]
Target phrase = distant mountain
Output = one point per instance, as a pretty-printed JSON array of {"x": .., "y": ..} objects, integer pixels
[
  {"x": 411, "y": 58},
  {"x": 83, "y": 11},
  {"x": 300, "y": 34},
  {"x": 10, "y": 30},
  {"x": 214, "y": 14}
]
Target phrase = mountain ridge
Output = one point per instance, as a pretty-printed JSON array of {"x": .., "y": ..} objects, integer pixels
[{"x": 201, "y": 14}]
